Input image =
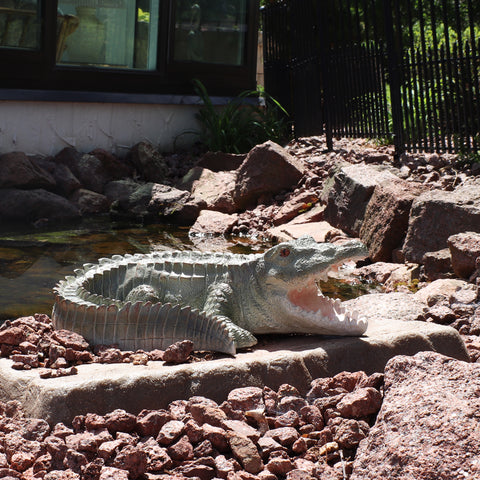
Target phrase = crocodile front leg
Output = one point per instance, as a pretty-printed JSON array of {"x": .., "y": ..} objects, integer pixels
[{"x": 219, "y": 303}]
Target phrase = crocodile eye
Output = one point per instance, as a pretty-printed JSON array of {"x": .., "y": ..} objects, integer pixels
[{"x": 284, "y": 252}]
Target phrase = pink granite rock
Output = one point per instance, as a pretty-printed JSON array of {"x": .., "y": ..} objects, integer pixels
[
  {"x": 386, "y": 218},
  {"x": 255, "y": 177},
  {"x": 210, "y": 222},
  {"x": 436, "y": 437},
  {"x": 465, "y": 249}
]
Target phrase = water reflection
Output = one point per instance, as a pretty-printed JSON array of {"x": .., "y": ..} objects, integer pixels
[{"x": 31, "y": 263}]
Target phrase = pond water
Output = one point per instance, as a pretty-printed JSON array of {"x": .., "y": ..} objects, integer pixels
[{"x": 33, "y": 261}]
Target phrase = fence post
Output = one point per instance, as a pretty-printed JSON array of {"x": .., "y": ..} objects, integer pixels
[
  {"x": 324, "y": 59},
  {"x": 394, "y": 72}
]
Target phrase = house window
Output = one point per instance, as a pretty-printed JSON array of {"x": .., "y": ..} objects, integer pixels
[
  {"x": 210, "y": 32},
  {"x": 110, "y": 33},
  {"x": 127, "y": 46},
  {"x": 20, "y": 25}
]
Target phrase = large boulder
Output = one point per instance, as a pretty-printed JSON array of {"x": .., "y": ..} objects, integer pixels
[
  {"x": 33, "y": 205},
  {"x": 349, "y": 194},
  {"x": 428, "y": 424},
  {"x": 214, "y": 190},
  {"x": 386, "y": 218},
  {"x": 465, "y": 251},
  {"x": 134, "y": 199},
  {"x": 18, "y": 171},
  {"x": 66, "y": 181},
  {"x": 437, "y": 215},
  {"x": 93, "y": 170},
  {"x": 267, "y": 170},
  {"x": 90, "y": 202},
  {"x": 213, "y": 223},
  {"x": 174, "y": 205},
  {"x": 148, "y": 162}
]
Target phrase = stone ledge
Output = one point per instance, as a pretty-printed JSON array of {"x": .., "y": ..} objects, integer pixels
[{"x": 295, "y": 360}]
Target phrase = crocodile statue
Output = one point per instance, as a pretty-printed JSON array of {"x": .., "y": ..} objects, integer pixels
[{"x": 217, "y": 300}]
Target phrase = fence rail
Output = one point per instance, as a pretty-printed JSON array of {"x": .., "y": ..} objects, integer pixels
[{"x": 408, "y": 70}]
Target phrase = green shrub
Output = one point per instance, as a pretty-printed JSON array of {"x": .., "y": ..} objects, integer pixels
[{"x": 251, "y": 118}]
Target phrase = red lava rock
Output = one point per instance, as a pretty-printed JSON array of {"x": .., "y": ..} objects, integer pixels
[
  {"x": 360, "y": 403},
  {"x": 35, "y": 429},
  {"x": 178, "y": 352},
  {"x": 312, "y": 414},
  {"x": 242, "y": 428},
  {"x": 70, "y": 339},
  {"x": 157, "y": 457},
  {"x": 74, "y": 460},
  {"x": 280, "y": 466},
  {"x": 268, "y": 445},
  {"x": 132, "y": 459},
  {"x": 288, "y": 419},
  {"x": 92, "y": 421},
  {"x": 13, "y": 336},
  {"x": 217, "y": 436},
  {"x": 298, "y": 475},
  {"x": 156, "y": 355},
  {"x": 170, "y": 431},
  {"x": 193, "y": 431},
  {"x": 286, "y": 436},
  {"x": 198, "y": 469},
  {"x": 350, "y": 432},
  {"x": 120, "y": 421},
  {"x": 182, "y": 450},
  {"x": 149, "y": 423},
  {"x": 204, "y": 449},
  {"x": 287, "y": 403},
  {"x": 93, "y": 470},
  {"x": 82, "y": 442},
  {"x": 110, "y": 355},
  {"x": 245, "y": 451},
  {"x": 208, "y": 414},
  {"x": 112, "y": 473},
  {"x": 246, "y": 398}
]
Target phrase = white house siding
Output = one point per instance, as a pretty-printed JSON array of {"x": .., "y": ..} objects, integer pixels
[{"x": 45, "y": 128}]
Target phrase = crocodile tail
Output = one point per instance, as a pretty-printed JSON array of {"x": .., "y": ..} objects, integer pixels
[{"x": 144, "y": 326}]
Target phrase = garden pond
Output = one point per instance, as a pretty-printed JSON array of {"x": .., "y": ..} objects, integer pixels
[{"x": 33, "y": 261}]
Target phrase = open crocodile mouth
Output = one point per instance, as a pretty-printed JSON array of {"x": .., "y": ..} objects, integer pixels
[{"x": 309, "y": 305}]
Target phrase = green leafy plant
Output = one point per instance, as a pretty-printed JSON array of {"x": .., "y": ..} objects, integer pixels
[
  {"x": 251, "y": 118},
  {"x": 467, "y": 157}
]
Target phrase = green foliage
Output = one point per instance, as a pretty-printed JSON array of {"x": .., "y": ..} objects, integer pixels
[
  {"x": 253, "y": 117},
  {"x": 467, "y": 157}
]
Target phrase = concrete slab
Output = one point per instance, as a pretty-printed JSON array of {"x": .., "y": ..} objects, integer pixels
[{"x": 295, "y": 360}]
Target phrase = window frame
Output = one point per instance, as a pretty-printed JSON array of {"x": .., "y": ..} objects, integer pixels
[{"x": 36, "y": 70}]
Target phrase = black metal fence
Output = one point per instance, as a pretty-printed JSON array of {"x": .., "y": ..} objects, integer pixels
[{"x": 404, "y": 70}]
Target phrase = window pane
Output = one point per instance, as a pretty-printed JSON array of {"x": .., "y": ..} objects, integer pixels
[
  {"x": 20, "y": 24},
  {"x": 210, "y": 31},
  {"x": 108, "y": 33}
]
